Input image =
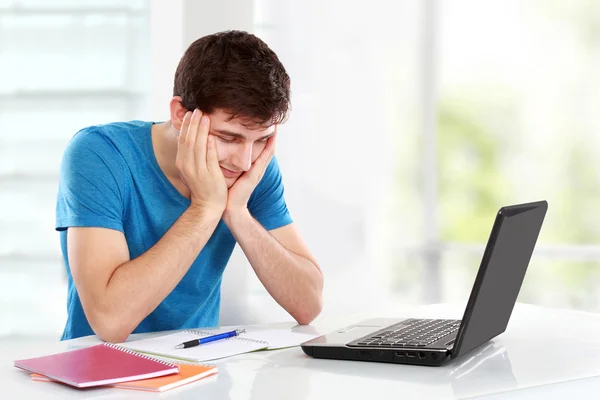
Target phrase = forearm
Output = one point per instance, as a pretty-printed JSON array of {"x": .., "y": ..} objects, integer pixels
[
  {"x": 295, "y": 282},
  {"x": 138, "y": 286}
]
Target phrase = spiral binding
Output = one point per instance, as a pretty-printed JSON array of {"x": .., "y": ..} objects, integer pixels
[
  {"x": 135, "y": 353},
  {"x": 204, "y": 333},
  {"x": 182, "y": 362}
]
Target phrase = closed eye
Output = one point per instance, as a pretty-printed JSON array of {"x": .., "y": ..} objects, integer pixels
[
  {"x": 224, "y": 140},
  {"x": 263, "y": 140}
]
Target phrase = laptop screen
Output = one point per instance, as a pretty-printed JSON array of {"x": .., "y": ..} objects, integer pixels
[{"x": 500, "y": 275}]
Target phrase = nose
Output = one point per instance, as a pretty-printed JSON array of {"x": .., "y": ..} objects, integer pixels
[{"x": 243, "y": 157}]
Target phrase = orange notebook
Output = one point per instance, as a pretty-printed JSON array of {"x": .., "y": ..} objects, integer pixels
[{"x": 187, "y": 373}]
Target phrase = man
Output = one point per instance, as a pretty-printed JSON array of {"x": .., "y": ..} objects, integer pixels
[{"x": 149, "y": 213}]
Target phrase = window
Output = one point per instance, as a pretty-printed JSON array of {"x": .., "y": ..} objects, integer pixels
[
  {"x": 422, "y": 119},
  {"x": 514, "y": 115},
  {"x": 64, "y": 65}
]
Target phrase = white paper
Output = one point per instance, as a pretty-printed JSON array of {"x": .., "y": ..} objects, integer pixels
[
  {"x": 164, "y": 346},
  {"x": 278, "y": 338},
  {"x": 244, "y": 343}
]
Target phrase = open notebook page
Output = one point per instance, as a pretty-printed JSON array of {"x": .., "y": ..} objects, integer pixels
[
  {"x": 244, "y": 343},
  {"x": 164, "y": 346}
]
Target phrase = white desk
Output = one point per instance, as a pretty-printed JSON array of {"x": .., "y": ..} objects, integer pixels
[{"x": 545, "y": 353}]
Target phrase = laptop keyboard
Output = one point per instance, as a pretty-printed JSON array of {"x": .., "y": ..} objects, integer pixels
[{"x": 418, "y": 333}]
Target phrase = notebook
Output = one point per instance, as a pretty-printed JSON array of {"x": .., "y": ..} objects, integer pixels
[
  {"x": 102, "y": 364},
  {"x": 244, "y": 343},
  {"x": 187, "y": 373}
]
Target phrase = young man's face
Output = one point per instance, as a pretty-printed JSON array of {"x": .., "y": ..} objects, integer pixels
[{"x": 237, "y": 145}]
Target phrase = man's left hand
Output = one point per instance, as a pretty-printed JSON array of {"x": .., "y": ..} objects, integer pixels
[{"x": 240, "y": 192}]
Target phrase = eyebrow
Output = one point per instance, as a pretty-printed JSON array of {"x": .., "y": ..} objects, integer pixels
[{"x": 237, "y": 135}]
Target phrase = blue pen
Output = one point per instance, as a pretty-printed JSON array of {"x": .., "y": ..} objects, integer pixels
[{"x": 196, "y": 342}]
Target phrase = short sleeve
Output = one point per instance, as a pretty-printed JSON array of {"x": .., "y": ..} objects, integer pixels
[
  {"x": 267, "y": 204},
  {"x": 91, "y": 183}
]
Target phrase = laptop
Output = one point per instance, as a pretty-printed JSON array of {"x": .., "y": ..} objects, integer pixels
[{"x": 434, "y": 342}]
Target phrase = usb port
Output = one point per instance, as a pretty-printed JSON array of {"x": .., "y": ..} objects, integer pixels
[{"x": 411, "y": 354}]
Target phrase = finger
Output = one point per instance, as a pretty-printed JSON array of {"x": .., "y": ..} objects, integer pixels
[
  {"x": 263, "y": 160},
  {"x": 180, "y": 156},
  {"x": 192, "y": 137},
  {"x": 192, "y": 131},
  {"x": 184, "y": 127},
  {"x": 212, "y": 158},
  {"x": 273, "y": 140},
  {"x": 202, "y": 141},
  {"x": 268, "y": 151}
]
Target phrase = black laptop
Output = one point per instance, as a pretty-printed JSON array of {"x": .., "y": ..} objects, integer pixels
[{"x": 436, "y": 341}]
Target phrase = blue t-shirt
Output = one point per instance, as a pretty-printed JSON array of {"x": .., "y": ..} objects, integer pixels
[{"x": 110, "y": 178}]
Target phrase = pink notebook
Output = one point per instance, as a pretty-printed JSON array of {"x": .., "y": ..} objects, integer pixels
[{"x": 102, "y": 364}]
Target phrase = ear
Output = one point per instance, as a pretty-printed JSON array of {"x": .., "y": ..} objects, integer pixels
[{"x": 177, "y": 112}]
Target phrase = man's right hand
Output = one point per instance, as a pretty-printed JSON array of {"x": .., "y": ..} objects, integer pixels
[{"x": 198, "y": 163}]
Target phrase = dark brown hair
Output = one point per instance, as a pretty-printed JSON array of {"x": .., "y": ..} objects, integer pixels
[{"x": 237, "y": 72}]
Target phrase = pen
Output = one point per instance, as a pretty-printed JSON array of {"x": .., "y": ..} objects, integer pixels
[{"x": 196, "y": 342}]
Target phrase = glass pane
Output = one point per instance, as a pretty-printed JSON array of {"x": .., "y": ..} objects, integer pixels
[
  {"x": 58, "y": 5},
  {"x": 79, "y": 52},
  {"x": 32, "y": 298},
  {"x": 36, "y": 196},
  {"x": 38, "y": 136},
  {"x": 518, "y": 115},
  {"x": 566, "y": 283},
  {"x": 61, "y": 116},
  {"x": 30, "y": 238},
  {"x": 64, "y": 65}
]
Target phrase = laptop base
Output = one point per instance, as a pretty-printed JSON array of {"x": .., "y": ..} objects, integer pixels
[{"x": 422, "y": 357}]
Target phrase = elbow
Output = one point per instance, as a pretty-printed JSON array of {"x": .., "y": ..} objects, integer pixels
[
  {"x": 311, "y": 309},
  {"x": 112, "y": 335},
  {"x": 308, "y": 313},
  {"x": 109, "y": 328}
]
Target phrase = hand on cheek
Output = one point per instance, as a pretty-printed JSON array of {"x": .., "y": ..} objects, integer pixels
[{"x": 240, "y": 192}]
